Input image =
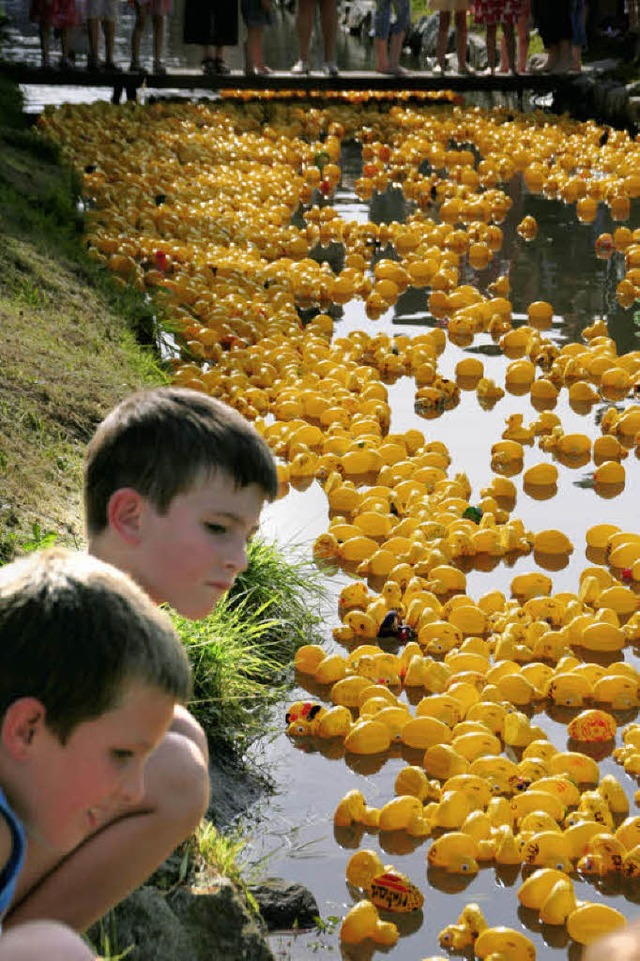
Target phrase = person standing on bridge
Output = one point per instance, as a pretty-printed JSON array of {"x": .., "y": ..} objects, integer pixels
[
  {"x": 158, "y": 9},
  {"x": 213, "y": 25},
  {"x": 329, "y": 27},
  {"x": 50, "y": 14},
  {"x": 505, "y": 13},
  {"x": 389, "y": 37},
  {"x": 459, "y": 9}
]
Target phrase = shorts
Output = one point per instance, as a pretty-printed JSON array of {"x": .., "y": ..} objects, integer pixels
[
  {"x": 58, "y": 13},
  {"x": 158, "y": 8},
  {"x": 102, "y": 9},
  {"x": 578, "y": 25},
  {"x": 382, "y": 22},
  {"x": 450, "y": 6},
  {"x": 254, "y": 15}
]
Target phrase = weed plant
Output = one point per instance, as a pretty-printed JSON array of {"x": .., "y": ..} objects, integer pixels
[{"x": 241, "y": 653}]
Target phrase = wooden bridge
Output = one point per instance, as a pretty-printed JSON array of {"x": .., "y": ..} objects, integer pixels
[{"x": 314, "y": 83}]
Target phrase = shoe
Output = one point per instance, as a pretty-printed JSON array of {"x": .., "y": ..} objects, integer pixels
[
  {"x": 263, "y": 70},
  {"x": 394, "y": 70},
  {"x": 159, "y": 68},
  {"x": 215, "y": 67},
  {"x": 92, "y": 63},
  {"x": 66, "y": 63},
  {"x": 111, "y": 67},
  {"x": 438, "y": 69},
  {"x": 136, "y": 67},
  {"x": 300, "y": 68},
  {"x": 329, "y": 69},
  {"x": 466, "y": 71}
]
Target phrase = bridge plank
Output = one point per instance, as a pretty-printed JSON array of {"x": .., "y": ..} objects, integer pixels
[{"x": 185, "y": 79}]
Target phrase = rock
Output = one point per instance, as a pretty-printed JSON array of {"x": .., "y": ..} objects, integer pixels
[
  {"x": 284, "y": 906},
  {"x": 219, "y": 924},
  {"x": 190, "y": 924}
]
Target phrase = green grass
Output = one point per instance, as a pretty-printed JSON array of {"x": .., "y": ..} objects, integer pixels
[{"x": 241, "y": 653}]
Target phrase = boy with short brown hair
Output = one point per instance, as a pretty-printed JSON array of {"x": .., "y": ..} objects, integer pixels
[
  {"x": 90, "y": 674},
  {"x": 174, "y": 485}
]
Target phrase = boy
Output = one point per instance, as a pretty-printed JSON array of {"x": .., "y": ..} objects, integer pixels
[
  {"x": 174, "y": 485},
  {"x": 90, "y": 673}
]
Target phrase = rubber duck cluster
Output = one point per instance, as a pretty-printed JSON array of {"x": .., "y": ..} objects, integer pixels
[{"x": 224, "y": 213}]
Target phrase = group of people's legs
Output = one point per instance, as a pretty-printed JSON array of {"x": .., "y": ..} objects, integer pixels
[{"x": 213, "y": 26}]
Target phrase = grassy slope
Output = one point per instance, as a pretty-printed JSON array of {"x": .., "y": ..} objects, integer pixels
[{"x": 67, "y": 351}]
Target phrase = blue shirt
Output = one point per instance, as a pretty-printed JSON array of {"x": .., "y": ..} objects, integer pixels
[{"x": 11, "y": 870}]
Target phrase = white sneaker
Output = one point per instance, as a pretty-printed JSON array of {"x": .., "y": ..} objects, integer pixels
[
  {"x": 300, "y": 67},
  {"x": 330, "y": 69}
]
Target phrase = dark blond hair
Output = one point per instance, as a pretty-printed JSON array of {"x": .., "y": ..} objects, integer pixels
[
  {"x": 74, "y": 632},
  {"x": 161, "y": 442}
]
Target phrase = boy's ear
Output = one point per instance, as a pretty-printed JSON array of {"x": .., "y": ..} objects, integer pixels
[
  {"x": 22, "y": 721},
  {"x": 124, "y": 513}
]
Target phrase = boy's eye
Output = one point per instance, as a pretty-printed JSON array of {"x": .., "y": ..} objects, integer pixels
[
  {"x": 216, "y": 528},
  {"x": 121, "y": 754}
]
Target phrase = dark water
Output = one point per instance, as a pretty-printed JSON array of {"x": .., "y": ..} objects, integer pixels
[{"x": 294, "y": 830}]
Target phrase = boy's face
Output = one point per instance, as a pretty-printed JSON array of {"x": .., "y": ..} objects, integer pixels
[
  {"x": 75, "y": 787},
  {"x": 191, "y": 555}
]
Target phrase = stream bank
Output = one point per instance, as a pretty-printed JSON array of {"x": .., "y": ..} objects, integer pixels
[{"x": 70, "y": 350}]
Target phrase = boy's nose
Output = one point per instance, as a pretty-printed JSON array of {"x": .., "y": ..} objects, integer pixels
[
  {"x": 237, "y": 559},
  {"x": 132, "y": 788}
]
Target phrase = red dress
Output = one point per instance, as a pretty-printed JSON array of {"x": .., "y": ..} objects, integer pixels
[
  {"x": 489, "y": 12},
  {"x": 59, "y": 13}
]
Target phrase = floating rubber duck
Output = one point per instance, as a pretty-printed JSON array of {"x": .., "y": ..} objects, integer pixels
[
  {"x": 506, "y": 943},
  {"x": 353, "y": 809},
  {"x": 461, "y": 935},
  {"x": 592, "y": 726},
  {"x": 456, "y": 852},
  {"x": 363, "y": 921},
  {"x": 384, "y": 885},
  {"x": 590, "y": 921},
  {"x": 302, "y": 716},
  {"x": 534, "y": 890}
]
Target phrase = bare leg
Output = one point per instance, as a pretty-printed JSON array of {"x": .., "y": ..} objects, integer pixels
[
  {"x": 510, "y": 44},
  {"x": 491, "y": 46},
  {"x": 444, "y": 19},
  {"x": 254, "y": 48},
  {"x": 109, "y": 31},
  {"x": 395, "y": 49},
  {"x": 382, "y": 60},
  {"x": 43, "y": 939},
  {"x": 136, "y": 36},
  {"x": 93, "y": 32},
  {"x": 65, "y": 44},
  {"x": 115, "y": 860},
  {"x": 523, "y": 42},
  {"x": 304, "y": 24},
  {"x": 460, "y": 21},
  {"x": 329, "y": 27},
  {"x": 158, "y": 38}
]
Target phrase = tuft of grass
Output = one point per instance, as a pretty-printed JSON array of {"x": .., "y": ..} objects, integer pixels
[
  {"x": 241, "y": 653},
  {"x": 287, "y": 586}
]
